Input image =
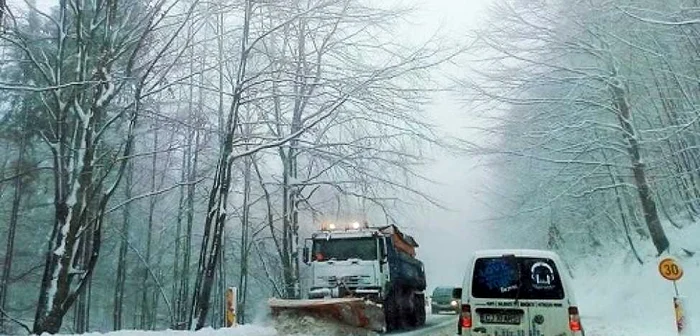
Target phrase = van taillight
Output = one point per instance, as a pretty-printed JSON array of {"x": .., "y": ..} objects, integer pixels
[
  {"x": 574, "y": 319},
  {"x": 465, "y": 318}
]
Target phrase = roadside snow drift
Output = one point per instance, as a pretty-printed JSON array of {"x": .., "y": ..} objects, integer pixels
[
  {"x": 245, "y": 330},
  {"x": 619, "y": 297}
]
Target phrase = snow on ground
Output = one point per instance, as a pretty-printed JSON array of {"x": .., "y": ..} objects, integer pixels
[
  {"x": 623, "y": 298},
  {"x": 303, "y": 325},
  {"x": 616, "y": 296},
  {"x": 285, "y": 326},
  {"x": 246, "y": 330},
  {"x": 437, "y": 325}
]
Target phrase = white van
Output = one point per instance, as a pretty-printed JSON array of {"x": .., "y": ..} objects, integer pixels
[{"x": 518, "y": 293}]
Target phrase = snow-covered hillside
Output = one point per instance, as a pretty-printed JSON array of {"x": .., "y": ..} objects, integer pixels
[{"x": 620, "y": 297}]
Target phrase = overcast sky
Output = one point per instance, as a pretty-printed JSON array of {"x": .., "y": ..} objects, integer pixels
[{"x": 447, "y": 238}]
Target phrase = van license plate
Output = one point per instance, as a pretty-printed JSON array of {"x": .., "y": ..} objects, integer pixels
[{"x": 494, "y": 318}]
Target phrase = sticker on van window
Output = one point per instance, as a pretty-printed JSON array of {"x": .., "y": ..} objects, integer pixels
[
  {"x": 498, "y": 274},
  {"x": 542, "y": 275}
]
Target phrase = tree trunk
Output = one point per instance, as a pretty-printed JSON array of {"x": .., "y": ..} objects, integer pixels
[
  {"x": 123, "y": 248},
  {"x": 182, "y": 309},
  {"x": 210, "y": 247},
  {"x": 177, "y": 272},
  {"x": 287, "y": 272},
  {"x": 614, "y": 179},
  {"x": 12, "y": 229},
  {"x": 651, "y": 215},
  {"x": 146, "y": 320},
  {"x": 217, "y": 207},
  {"x": 82, "y": 307},
  {"x": 245, "y": 227},
  {"x": 210, "y": 250},
  {"x": 184, "y": 287},
  {"x": 70, "y": 215},
  {"x": 291, "y": 189}
]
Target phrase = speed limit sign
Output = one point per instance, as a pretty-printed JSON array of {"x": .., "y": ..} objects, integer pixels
[{"x": 670, "y": 269}]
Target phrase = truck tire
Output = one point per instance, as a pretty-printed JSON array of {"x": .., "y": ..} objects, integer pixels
[
  {"x": 416, "y": 311},
  {"x": 391, "y": 311},
  {"x": 409, "y": 310},
  {"x": 420, "y": 309}
]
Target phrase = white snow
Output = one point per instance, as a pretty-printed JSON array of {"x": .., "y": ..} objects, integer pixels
[
  {"x": 107, "y": 93},
  {"x": 244, "y": 330},
  {"x": 620, "y": 297},
  {"x": 303, "y": 325},
  {"x": 616, "y": 297}
]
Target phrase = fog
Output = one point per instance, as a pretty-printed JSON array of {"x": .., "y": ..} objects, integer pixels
[
  {"x": 153, "y": 153},
  {"x": 449, "y": 236}
]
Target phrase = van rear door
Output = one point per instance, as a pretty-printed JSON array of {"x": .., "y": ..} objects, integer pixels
[
  {"x": 517, "y": 296},
  {"x": 494, "y": 288},
  {"x": 543, "y": 293}
]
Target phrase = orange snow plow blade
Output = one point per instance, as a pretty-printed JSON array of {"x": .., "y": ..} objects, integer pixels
[{"x": 355, "y": 312}]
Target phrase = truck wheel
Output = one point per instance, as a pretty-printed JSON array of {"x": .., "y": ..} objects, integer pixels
[
  {"x": 391, "y": 311},
  {"x": 416, "y": 310},
  {"x": 408, "y": 311},
  {"x": 420, "y": 310}
]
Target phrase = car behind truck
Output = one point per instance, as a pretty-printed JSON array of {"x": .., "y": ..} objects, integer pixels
[{"x": 364, "y": 276}]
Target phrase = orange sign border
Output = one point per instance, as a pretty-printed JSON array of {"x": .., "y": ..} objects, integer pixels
[{"x": 673, "y": 262}]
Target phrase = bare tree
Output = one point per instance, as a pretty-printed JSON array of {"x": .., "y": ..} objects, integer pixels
[
  {"x": 591, "y": 110},
  {"x": 369, "y": 139},
  {"x": 78, "y": 94},
  {"x": 12, "y": 227},
  {"x": 340, "y": 123},
  {"x": 119, "y": 286}
]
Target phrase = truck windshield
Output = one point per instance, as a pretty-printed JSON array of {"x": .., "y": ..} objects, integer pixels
[{"x": 343, "y": 249}]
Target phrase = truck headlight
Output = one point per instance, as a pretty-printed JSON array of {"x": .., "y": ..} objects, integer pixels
[{"x": 453, "y": 303}]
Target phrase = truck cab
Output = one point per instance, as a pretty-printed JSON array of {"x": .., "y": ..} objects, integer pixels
[{"x": 347, "y": 263}]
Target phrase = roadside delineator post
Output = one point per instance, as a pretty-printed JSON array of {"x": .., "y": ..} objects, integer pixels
[
  {"x": 231, "y": 300},
  {"x": 672, "y": 271}
]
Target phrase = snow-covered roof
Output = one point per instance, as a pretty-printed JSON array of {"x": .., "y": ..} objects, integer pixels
[{"x": 517, "y": 253}]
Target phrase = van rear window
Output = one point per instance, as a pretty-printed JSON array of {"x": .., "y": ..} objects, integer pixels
[{"x": 510, "y": 277}]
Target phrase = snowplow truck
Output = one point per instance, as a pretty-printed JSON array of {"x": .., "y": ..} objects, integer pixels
[{"x": 366, "y": 277}]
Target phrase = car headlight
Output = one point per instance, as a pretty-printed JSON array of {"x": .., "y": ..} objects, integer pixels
[{"x": 453, "y": 303}]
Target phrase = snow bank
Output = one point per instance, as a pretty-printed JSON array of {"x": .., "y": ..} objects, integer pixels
[
  {"x": 304, "y": 325},
  {"x": 244, "y": 330},
  {"x": 618, "y": 296},
  {"x": 284, "y": 325}
]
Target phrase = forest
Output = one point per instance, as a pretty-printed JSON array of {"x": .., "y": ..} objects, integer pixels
[{"x": 154, "y": 153}]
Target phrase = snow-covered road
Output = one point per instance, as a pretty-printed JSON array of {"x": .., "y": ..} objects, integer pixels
[{"x": 435, "y": 325}]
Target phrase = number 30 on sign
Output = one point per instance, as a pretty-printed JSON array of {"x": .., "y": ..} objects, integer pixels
[{"x": 670, "y": 269}]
